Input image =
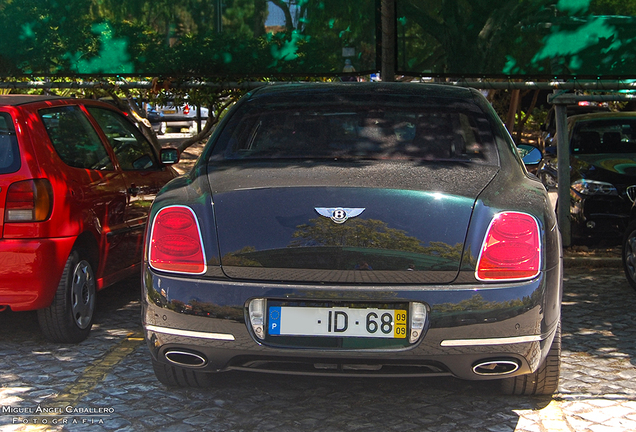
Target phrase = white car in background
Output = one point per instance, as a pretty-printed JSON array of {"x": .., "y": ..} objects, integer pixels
[{"x": 172, "y": 118}]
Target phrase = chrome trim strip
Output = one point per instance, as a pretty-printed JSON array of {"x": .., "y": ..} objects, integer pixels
[
  {"x": 189, "y": 333},
  {"x": 631, "y": 192},
  {"x": 493, "y": 341}
]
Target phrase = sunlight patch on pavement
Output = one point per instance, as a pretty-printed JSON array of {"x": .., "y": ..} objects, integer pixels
[
  {"x": 549, "y": 418},
  {"x": 553, "y": 419}
]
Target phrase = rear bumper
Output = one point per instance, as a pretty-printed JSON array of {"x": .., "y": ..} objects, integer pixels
[
  {"x": 467, "y": 325},
  {"x": 31, "y": 270}
]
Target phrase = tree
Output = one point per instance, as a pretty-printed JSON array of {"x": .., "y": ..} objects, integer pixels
[
  {"x": 364, "y": 233},
  {"x": 180, "y": 39},
  {"x": 461, "y": 36}
]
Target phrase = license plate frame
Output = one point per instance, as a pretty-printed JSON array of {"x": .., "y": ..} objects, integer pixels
[{"x": 388, "y": 322}]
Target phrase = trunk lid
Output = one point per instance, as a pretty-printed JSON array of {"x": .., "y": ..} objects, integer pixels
[{"x": 273, "y": 220}]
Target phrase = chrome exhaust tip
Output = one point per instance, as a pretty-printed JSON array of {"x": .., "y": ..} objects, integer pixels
[
  {"x": 495, "y": 367},
  {"x": 185, "y": 358}
]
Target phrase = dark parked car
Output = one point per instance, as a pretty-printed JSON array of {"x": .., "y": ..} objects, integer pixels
[
  {"x": 356, "y": 229},
  {"x": 548, "y": 129},
  {"x": 602, "y": 174},
  {"x": 76, "y": 182}
]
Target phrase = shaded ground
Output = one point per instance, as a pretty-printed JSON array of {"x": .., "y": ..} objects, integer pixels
[{"x": 593, "y": 251}]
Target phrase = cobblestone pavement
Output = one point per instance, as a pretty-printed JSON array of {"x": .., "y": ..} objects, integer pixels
[{"x": 108, "y": 385}]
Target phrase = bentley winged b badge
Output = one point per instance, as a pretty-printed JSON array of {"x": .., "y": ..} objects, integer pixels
[{"x": 338, "y": 214}]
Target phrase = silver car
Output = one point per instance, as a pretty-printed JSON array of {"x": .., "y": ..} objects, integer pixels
[{"x": 165, "y": 118}]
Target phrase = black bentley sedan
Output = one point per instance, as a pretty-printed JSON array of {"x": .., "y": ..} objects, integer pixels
[{"x": 366, "y": 229}]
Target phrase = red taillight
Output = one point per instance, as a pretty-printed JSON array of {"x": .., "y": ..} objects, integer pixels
[
  {"x": 512, "y": 248},
  {"x": 29, "y": 201},
  {"x": 175, "y": 242},
  {"x": 186, "y": 109}
]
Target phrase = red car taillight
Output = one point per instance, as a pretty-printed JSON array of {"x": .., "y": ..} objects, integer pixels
[
  {"x": 512, "y": 248},
  {"x": 29, "y": 201},
  {"x": 175, "y": 242},
  {"x": 186, "y": 109}
]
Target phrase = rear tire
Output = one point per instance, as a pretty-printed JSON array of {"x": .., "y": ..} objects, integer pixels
[
  {"x": 629, "y": 254},
  {"x": 69, "y": 318},
  {"x": 175, "y": 376},
  {"x": 545, "y": 381}
]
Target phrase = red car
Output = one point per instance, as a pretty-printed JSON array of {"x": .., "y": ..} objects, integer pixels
[{"x": 76, "y": 182}]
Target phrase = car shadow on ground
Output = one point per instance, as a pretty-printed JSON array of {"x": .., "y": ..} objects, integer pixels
[
  {"x": 256, "y": 401},
  {"x": 331, "y": 403},
  {"x": 253, "y": 401},
  {"x": 121, "y": 300}
]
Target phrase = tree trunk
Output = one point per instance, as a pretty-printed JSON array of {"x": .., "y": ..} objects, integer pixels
[
  {"x": 388, "y": 40},
  {"x": 522, "y": 121},
  {"x": 512, "y": 110}
]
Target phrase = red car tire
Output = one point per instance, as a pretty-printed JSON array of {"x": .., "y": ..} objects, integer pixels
[{"x": 69, "y": 318}]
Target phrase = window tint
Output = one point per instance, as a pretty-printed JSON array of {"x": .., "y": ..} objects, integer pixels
[
  {"x": 360, "y": 129},
  {"x": 74, "y": 138},
  {"x": 133, "y": 151},
  {"x": 616, "y": 135},
  {"x": 9, "y": 152}
]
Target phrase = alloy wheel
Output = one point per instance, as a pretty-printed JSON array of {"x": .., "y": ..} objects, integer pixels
[{"x": 83, "y": 294}]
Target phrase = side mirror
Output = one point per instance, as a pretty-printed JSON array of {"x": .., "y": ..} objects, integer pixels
[
  {"x": 534, "y": 157},
  {"x": 169, "y": 156},
  {"x": 529, "y": 154}
]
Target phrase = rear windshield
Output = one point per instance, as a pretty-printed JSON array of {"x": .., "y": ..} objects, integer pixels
[
  {"x": 9, "y": 153},
  {"x": 605, "y": 136},
  {"x": 364, "y": 127}
]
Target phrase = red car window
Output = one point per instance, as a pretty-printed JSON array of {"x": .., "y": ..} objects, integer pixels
[
  {"x": 9, "y": 153},
  {"x": 133, "y": 151},
  {"x": 74, "y": 139}
]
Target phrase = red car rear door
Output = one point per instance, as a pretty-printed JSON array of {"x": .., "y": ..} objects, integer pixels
[{"x": 143, "y": 173}]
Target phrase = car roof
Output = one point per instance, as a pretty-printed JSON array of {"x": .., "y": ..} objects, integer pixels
[
  {"x": 21, "y": 99},
  {"x": 602, "y": 116},
  {"x": 396, "y": 88}
]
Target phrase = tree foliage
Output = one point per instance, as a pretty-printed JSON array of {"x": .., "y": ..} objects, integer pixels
[
  {"x": 235, "y": 39},
  {"x": 362, "y": 233},
  {"x": 181, "y": 39},
  {"x": 517, "y": 37},
  {"x": 461, "y": 36},
  {"x": 371, "y": 234}
]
